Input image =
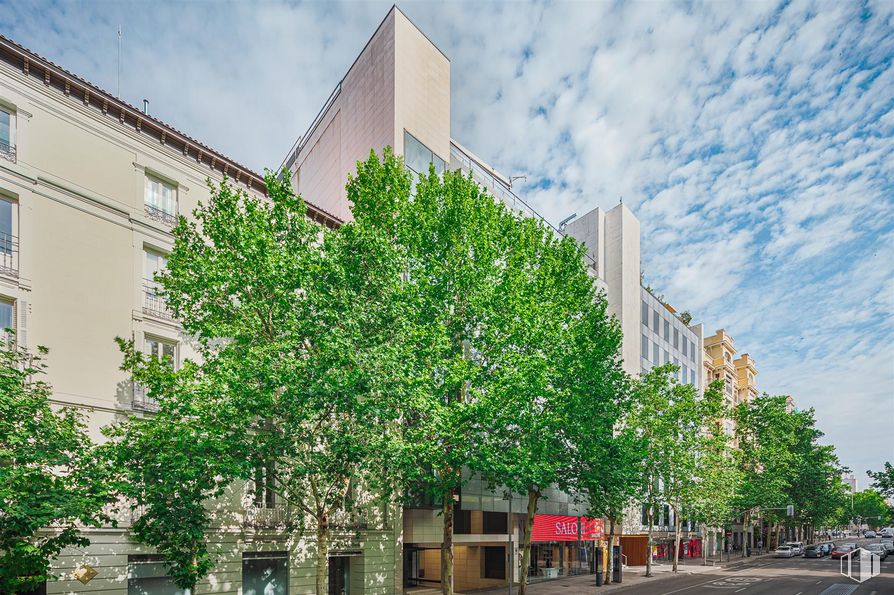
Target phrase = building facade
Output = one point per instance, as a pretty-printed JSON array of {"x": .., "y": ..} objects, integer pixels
[{"x": 89, "y": 190}]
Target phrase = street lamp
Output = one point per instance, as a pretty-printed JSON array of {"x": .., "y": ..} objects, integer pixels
[{"x": 510, "y": 559}]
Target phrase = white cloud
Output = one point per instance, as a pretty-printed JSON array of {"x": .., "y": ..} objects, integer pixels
[{"x": 754, "y": 140}]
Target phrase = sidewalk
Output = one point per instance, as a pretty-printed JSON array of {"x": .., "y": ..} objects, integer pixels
[{"x": 633, "y": 576}]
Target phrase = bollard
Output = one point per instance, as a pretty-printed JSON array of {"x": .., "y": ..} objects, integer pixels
[
  {"x": 599, "y": 577},
  {"x": 618, "y": 570}
]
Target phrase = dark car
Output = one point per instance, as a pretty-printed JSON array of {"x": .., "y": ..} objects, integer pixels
[
  {"x": 827, "y": 547},
  {"x": 813, "y": 551},
  {"x": 877, "y": 549}
]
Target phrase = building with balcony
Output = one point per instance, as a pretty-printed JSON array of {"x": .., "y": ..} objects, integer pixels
[{"x": 89, "y": 190}]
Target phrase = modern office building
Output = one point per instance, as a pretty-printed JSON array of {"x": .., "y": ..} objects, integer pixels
[{"x": 89, "y": 189}]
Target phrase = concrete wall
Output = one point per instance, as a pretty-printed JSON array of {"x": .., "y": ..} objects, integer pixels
[{"x": 400, "y": 81}]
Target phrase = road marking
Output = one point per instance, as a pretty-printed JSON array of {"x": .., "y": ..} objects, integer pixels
[{"x": 742, "y": 589}]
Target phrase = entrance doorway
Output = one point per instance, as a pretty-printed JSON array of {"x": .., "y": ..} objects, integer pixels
[{"x": 339, "y": 575}]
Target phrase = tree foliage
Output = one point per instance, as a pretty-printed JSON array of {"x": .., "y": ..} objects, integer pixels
[
  {"x": 883, "y": 481},
  {"x": 49, "y": 477},
  {"x": 293, "y": 324}
]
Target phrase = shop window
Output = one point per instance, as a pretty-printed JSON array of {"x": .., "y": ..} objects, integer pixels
[
  {"x": 495, "y": 523},
  {"x": 494, "y": 562},
  {"x": 265, "y": 573}
]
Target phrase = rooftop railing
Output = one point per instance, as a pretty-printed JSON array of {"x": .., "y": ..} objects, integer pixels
[
  {"x": 500, "y": 189},
  {"x": 9, "y": 255}
]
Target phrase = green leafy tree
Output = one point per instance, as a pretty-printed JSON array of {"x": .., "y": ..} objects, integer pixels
[
  {"x": 683, "y": 445},
  {"x": 49, "y": 477},
  {"x": 553, "y": 369},
  {"x": 883, "y": 481},
  {"x": 294, "y": 325},
  {"x": 870, "y": 508},
  {"x": 454, "y": 243}
]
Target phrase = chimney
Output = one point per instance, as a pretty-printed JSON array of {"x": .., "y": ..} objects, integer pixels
[{"x": 146, "y": 106}]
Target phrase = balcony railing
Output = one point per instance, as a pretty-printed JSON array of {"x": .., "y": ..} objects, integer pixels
[
  {"x": 161, "y": 215},
  {"x": 9, "y": 255},
  {"x": 260, "y": 517},
  {"x": 141, "y": 399},
  {"x": 282, "y": 515},
  {"x": 153, "y": 303},
  {"x": 7, "y": 151}
]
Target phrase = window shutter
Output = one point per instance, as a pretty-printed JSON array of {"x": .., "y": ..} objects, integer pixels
[{"x": 22, "y": 323}]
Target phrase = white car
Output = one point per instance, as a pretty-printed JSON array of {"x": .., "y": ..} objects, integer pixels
[
  {"x": 784, "y": 551},
  {"x": 887, "y": 532},
  {"x": 797, "y": 547}
]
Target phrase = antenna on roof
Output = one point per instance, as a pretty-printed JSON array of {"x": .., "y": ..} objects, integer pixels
[{"x": 118, "y": 92}]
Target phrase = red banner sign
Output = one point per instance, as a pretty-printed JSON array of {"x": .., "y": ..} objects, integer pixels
[{"x": 554, "y": 527}]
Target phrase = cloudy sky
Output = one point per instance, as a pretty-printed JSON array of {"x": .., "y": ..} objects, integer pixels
[{"x": 754, "y": 140}]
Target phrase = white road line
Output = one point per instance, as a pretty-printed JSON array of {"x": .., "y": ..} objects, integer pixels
[{"x": 742, "y": 589}]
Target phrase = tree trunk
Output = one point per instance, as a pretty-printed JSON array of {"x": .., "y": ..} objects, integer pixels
[
  {"x": 678, "y": 526},
  {"x": 447, "y": 545},
  {"x": 745, "y": 531},
  {"x": 649, "y": 541},
  {"x": 322, "y": 554},
  {"x": 611, "y": 543},
  {"x": 533, "y": 495}
]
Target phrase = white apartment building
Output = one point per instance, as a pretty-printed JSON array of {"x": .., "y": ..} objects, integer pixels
[{"x": 89, "y": 189}]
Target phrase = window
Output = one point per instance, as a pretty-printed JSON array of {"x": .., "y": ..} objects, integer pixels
[
  {"x": 7, "y": 133},
  {"x": 656, "y": 321},
  {"x": 655, "y": 353},
  {"x": 146, "y": 575},
  {"x": 685, "y": 345},
  {"x": 644, "y": 515},
  {"x": 645, "y": 313},
  {"x": 162, "y": 350},
  {"x": 153, "y": 303},
  {"x": 9, "y": 244},
  {"x": 667, "y": 330},
  {"x": 7, "y": 314},
  {"x": 645, "y": 349},
  {"x": 692, "y": 353},
  {"x": 264, "y": 482},
  {"x": 666, "y": 357},
  {"x": 161, "y": 200},
  {"x": 417, "y": 156},
  {"x": 495, "y": 562},
  {"x": 685, "y": 374},
  {"x": 676, "y": 338},
  {"x": 462, "y": 521},
  {"x": 495, "y": 523},
  {"x": 265, "y": 573}
]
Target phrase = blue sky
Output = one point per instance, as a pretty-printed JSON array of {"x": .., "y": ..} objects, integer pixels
[{"x": 754, "y": 140}]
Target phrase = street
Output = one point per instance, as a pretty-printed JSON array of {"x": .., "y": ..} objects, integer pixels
[{"x": 774, "y": 576}]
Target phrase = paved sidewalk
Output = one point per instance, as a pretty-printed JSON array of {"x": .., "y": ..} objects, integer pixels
[{"x": 633, "y": 576}]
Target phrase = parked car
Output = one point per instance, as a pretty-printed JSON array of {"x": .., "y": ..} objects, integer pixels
[
  {"x": 827, "y": 547},
  {"x": 887, "y": 532},
  {"x": 889, "y": 545},
  {"x": 869, "y": 534},
  {"x": 784, "y": 551},
  {"x": 813, "y": 551},
  {"x": 839, "y": 551},
  {"x": 877, "y": 549},
  {"x": 849, "y": 544},
  {"x": 797, "y": 547}
]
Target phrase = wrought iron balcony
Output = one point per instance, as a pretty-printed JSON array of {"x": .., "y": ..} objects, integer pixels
[
  {"x": 161, "y": 215},
  {"x": 9, "y": 255},
  {"x": 153, "y": 303},
  {"x": 261, "y": 517},
  {"x": 141, "y": 399},
  {"x": 7, "y": 151}
]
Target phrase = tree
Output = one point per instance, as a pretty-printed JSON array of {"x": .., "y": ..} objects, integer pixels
[
  {"x": 870, "y": 508},
  {"x": 296, "y": 390},
  {"x": 883, "y": 481},
  {"x": 49, "y": 477},
  {"x": 553, "y": 367},
  {"x": 455, "y": 244},
  {"x": 683, "y": 442}
]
